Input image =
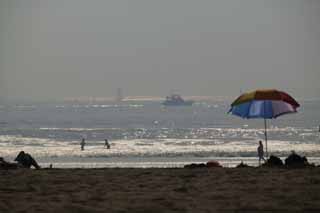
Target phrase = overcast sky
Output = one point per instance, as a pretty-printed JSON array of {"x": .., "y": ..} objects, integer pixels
[{"x": 52, "y": 49}]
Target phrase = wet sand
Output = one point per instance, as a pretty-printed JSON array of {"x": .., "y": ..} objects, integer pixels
[{"x": 160, "y": 190}]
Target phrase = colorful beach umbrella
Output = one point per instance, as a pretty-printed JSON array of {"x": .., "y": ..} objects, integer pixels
[{"x": 266, "y": 104}]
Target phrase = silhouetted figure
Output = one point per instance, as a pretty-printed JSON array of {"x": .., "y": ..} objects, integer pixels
[
  {"x": 83, "y": 143},
  {"x": 26, "y": 160},
  {"x": 260, "y": 152},
  {"x": 106, "y": 144}
]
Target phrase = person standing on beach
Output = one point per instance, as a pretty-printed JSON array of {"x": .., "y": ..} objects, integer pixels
[
  {"x": 83, "y": 143},
  {"x": 106, "y": 144},
  {"x": 260, "y": 152}
]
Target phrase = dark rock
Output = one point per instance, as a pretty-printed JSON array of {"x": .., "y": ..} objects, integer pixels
[
  {"x": 242, "y": 165},
  {"x": 7, "y": 165},
  {"x": 213, "y": 163},
  {"x": 273, "y": 161},
  {"x": 296, "y": 161},
  {"x": 195, "y": 165}
]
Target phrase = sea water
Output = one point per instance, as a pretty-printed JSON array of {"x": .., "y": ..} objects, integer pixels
[{"x": 147, "y": 134}]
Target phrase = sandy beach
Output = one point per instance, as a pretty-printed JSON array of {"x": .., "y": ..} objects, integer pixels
[{"x": 160, "y": 190}]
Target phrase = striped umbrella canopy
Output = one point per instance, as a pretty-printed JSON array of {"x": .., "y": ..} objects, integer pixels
[{"x": 266, "y": 104}]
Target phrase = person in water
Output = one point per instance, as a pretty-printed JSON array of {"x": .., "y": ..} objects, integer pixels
[
  {"x": 106, "y": 144},
  {"x": 260, "y": 152},
  {"x": 26, "y": 160},
  {"x": 83, "y": 143}
]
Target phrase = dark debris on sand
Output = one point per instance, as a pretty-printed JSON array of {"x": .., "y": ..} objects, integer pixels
[{"x": 292, "y": 161}]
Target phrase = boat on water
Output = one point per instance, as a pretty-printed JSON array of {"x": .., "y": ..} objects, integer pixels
[{"x": 176, "y": 100}]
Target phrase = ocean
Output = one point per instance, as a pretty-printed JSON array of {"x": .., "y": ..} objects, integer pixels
[{"x": 147, "y": 134}]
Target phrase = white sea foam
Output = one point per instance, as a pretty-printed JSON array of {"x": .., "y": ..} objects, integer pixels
[
  {"x": 76, "y": 129},
  {"x": 102, "y": 106},
  {"x": 45, "y": 148}
]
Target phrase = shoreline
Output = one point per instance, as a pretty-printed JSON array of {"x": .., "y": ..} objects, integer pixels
[{"x": 161, "y": 190}]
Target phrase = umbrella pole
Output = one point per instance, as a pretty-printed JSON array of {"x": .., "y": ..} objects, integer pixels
[{"x": 266, "y": 136}]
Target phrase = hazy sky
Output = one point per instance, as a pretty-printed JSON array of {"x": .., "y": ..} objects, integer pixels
[{"x": 52, "y": 49}]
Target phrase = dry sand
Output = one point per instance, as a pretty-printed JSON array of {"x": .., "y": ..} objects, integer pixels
[{"x": 160, "y": 190}]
